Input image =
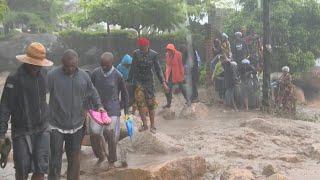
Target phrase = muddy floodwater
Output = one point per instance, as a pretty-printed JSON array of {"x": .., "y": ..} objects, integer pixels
[{"x": 225, "y": 138}]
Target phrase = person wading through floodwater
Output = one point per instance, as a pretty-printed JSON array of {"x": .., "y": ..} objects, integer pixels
[
  {"x": 247, "y": 87},
  {"x": 109, "y": 84},
  {"x": 69, "y": 88},
  {"x": 97, "y": 142},
  {"x": 24, "y": 102},
  {"x": 124, "y": 68},
  {"x": 286, "y": 99},
  {"x": 145, "y": 63},
  {"x": 225, "y": 45},
  {"x": 240, "y": 49},
  {"x": 191, "y": 63},
  {"x": 174, "y": 74},
  {"x": 230, "y": 80}
]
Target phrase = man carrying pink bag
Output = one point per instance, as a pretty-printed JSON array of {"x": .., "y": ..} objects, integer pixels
[{"x": 110, "y": 84}]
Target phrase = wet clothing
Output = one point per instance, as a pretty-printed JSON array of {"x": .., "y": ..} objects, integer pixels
[
  {"x": 67, "y": 98},
  {"x": 174, "y": 66},
  {"x": 174, "y": 73},
  {"x": 142, "y": 71},
  {"x": 286, "y": 97},
  {"x": 143, "y": 103},
  {"x": 109, "y": 86},
  {"x": 218, "y": 78},
  {"x": 68, "y": 95},
  {"x": 31, "y": 154},
  {"x": 181, "y": 87},
  {"x": 111, "y": 134},
  {"x": 195, "y": 75},
  {"x": 249, "y": 85},
  {"x": 72, "y": 147},
  {"x": 97, "y": 142},
  {"x": 225, "y": 46},
  {"x": 230, "y": 75},
  {"x": 24, "y": 100},
  {"x": 240, "y": 51},
  {"x": 231, "y": 84},
  {"x": 126, "y": 60}
]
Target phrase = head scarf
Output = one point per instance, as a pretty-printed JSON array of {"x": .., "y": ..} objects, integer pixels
[
  {"x": 143, "y": 42},
  {"x": 233, "y": 63},
  {"x": 245, "y": 61},
  {"x": 127, "y": 59},
  {"x": 238, "y": 34},
  {"x": 225, "y": 35},
  {"x": 286, "y": 69}
]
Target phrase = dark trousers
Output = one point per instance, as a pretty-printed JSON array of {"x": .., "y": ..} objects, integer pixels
[
  {"x": 72, "y": 148},
  {"x": 31, "y": 154},
  {"x": 195, "y": 80},
  {"x": 181, "y": 87}
]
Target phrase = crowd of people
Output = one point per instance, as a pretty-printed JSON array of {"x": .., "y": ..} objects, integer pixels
[
  {"x": 42, "y": 131},
  {"x": 235, "y": 70},
  {"x": 235, "y": 78}
]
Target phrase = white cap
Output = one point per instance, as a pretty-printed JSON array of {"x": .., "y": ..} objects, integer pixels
[
  {"x": 238, "y": 34},
  {"x": 225, "y": 35},
  {"x": 245, "y": 61},
  {"x": 285, "y": 69},
  {"x": 234, "y": 63}
]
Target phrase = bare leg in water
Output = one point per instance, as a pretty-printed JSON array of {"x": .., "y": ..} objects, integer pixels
[
  {"x": 152, "y": 121},
  {"x": 246, "y": 103},
  {"x": 144, "y": 121}
]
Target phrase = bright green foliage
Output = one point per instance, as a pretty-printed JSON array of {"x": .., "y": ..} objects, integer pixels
[
  {"x": 3, "y": 9},
  {"x": 295, "y": 30},
  {"x": 38, "y": 15},
  {"x": 137, "y": 14}
]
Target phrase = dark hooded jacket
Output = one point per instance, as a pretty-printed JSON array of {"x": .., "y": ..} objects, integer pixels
[{"x": 24, "y": 100}]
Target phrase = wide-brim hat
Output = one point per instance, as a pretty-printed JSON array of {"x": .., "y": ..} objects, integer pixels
[{"x": 35, "y": 55}]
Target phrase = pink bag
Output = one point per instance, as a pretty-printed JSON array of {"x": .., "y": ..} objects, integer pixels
[{"x": 101, "y": 118}]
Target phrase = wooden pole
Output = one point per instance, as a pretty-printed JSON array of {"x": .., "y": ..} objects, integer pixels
[{"x": 266, "y": 55}]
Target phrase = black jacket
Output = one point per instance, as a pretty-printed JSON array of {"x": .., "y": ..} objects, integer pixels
[
  {"x": 24, "y": 100},
  {"x": 230, "y": 75},
  {"x": 142, "y": 71}
]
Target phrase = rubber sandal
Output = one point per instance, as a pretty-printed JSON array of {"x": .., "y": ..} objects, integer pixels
[
  {"x": 143, "y": 128},
  {"x": 153, "y": 130}
]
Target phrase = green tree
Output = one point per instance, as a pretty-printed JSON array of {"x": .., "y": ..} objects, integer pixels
[
  {"x": 39, "y": 15},
  {"x": 159, "y": 15},
  {"x": 3, "y": 9},
  {"x": 295, "y": 30}
]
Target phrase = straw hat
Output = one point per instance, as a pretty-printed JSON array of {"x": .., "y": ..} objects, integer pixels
[{"x": 35, "y": 55}]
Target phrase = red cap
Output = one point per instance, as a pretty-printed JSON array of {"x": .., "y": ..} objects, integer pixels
[{"x": 143, "y": 42}]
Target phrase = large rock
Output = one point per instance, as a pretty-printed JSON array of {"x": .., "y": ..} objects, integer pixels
[
  {"x": 195, "y": 111},
  {"x": 237, "y": 174},
  {"x": 185, "y": 168},
  {"x": 268, "y": 170},
  {"x": 277, "y": 177},
  {"x": 167, "y": 114},
  {"x": 148, "y": 143},
  {"x": 314, "y": 151},
  {"x": 290, "y": 158}
]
